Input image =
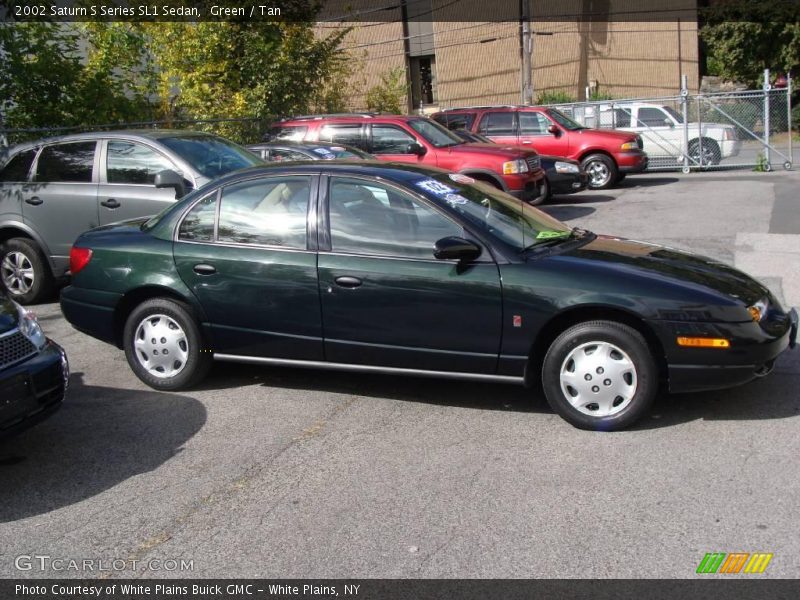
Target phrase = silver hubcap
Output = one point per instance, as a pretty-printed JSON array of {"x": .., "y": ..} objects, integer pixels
[
  {"x": 161, "y": 346},
  {"x": 17, "y": 273},
  {"x": 599, "y": 173},
  {"x": 598, "y": 379}
]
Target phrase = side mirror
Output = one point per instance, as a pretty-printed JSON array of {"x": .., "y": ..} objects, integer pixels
[
  {"x": 669, "y": 123},
  {"x": 554, "y": 130},
  {"x": 415, "y": 148},
  {"x": 456, "y": 248},
  {"x": 169, "y": 178}
]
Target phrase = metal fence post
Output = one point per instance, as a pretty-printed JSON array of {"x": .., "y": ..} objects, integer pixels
[
  {"x": 767, "y": 87},
  {"x": 685, "y": 107},
  {"x": 788, "y": 165}
]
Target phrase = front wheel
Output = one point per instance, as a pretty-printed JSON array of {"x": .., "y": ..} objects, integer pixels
[
  {"x": 544, "y": 194},
  {"x": 164, "y": 345},
  {"x": 601, "y": 169},
  {"x": 600, "y": 375}
]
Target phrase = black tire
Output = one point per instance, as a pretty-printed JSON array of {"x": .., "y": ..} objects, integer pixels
[
  {"x": 192, "y": 358},
  {"x": 544, "y": 194},
  {"x": 25, "y": 253},
  {"x": 602, "y": 171},
  {"x": 712, "y": 155},
  {"x": 629, "y": 393},
  {"x": 620, "y": 178}
]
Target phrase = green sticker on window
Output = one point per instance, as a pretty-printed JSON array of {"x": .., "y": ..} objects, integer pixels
[{"x": 548, "y": 234}]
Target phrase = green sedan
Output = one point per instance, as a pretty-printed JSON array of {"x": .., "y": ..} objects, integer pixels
[{"x": 377, "y": 267}]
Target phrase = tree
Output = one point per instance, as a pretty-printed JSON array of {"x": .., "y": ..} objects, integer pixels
[
  {"x": 744, "y": 38},
  {"x": 390, "y": 94}
]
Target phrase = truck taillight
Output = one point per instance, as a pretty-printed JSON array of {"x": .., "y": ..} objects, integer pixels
[{"x": 79, "y": 258}]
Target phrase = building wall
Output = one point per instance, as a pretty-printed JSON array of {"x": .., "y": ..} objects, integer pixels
[{"x": 624, "y": 48}]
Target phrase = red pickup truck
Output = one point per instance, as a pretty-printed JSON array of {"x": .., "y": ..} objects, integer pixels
[
  {"x": 418, "y": 140},
  {"x": 606, "y": 156}
]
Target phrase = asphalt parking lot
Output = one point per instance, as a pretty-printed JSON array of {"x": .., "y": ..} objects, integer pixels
[{"x": 284, "y": 473}]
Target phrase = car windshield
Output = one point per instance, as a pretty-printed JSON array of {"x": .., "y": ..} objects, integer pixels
[
  {"x": 564, "y": 120},
  {"x": 210, "y": 155},
  {"x": 674, "y": 114},
  {"x": 434, "y": 133},
  {"x": 512, "y": 221}
]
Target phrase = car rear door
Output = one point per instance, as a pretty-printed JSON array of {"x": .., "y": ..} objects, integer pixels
[
  {"x": 61, "y": 202},
  {"x": 127, "y": 181},
  {"x": 386, "y": 300},
  {"x": 252, "y": 266},
  {"x": 499, "y": 126}
]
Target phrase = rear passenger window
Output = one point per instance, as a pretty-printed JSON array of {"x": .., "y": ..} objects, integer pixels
[
  {"x": 18, "y": 167},
  {"x": 198, "y": 224},
  {"x": 269, "y": 212},
  {"x": 497, "y": 123},
  {"x": 71, "y": 162},
  {"x": 134, "y": 164},
  {"x": 293, "y": 133},
  {"x": 350, "y": 135},
  {"x": 458, "y": 121}
]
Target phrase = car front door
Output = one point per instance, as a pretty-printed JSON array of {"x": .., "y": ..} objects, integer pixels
[
  {"x": 127, "y": 183},
  {"x": 386, "y": 300},
  {"x": 61, "y": 203},
  {"x": 392, "y": 143},
  {"x": 252, "y": 269},
  {"x": 534, "y": 132},
  {"x": 658, "y": 131}
]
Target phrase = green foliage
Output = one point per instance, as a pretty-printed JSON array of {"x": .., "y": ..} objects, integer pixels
[
  {"x": 796, "y": 117},
  {"x": 389, "y": 96},
  {"x": 597, "y": 95},
  {"x": 761, "y": 163},
  {"x": 554, "y": 97},
  {"x": 744, "y": 38}
]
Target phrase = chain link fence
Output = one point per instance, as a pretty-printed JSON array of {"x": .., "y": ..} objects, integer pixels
[
  {"x": 747, "y": 129},
  {"x": 244, "y": 130}
]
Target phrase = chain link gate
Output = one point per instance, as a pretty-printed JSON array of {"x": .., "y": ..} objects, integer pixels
[{"x": 721, "y": 130}]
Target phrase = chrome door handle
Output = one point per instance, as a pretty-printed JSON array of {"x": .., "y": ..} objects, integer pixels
[
  {"x": 348, "y": 282},
  {"x": 204, "y": 269}
]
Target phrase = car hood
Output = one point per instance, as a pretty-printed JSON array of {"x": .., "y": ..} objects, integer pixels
[
  {"x": 481, "y": 149},
  {"x": 621, "y": 136},
  {"x": 664, "y": 266},
  {"x": 8, "y": 315}
]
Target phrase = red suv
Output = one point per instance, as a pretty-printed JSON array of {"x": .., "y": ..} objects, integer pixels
[
  {"x": 418, "y": 140},
  {"x": 606, "y": 156}
]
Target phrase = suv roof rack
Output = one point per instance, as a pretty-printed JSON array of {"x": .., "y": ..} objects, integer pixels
[
  {"x": 330, "y": 115},
  {"x": 484, "y": 106}
]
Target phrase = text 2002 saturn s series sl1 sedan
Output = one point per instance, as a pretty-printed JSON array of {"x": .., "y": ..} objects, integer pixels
[{"x": 394, "y": 268}]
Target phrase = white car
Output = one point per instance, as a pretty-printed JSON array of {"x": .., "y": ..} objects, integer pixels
[{"x": 661, "y": 128}]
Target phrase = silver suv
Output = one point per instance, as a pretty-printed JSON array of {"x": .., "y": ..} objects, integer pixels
[{"x": 54, "y": 189}]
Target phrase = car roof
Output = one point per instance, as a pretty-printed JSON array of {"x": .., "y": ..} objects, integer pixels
[
  {"x": 354, "y": 117},
  {"x": 295, "y": 145},
  {"x": 132, "y": 134}
]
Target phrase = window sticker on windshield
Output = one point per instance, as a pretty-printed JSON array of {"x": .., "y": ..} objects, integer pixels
[
  {"x": 434, "y": 187},
  {"x": 455, "y": 199},
  {"x": 548, "y": 234},
  {"x": 324, "y": 152},
  {"x": 459, "y": 178}
]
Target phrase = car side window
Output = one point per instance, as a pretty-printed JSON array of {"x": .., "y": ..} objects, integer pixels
[
  {"x": 374, "y": 219},
  {"x": 390, "y": 140},
  {"x": 349, "y": 135},
  {"x": 278, "y": 155},
  {"x": 69, "y": 162},
  {"x": 497, "y": 123},
  {"x": 198, "y": 224},
  {"x": 269, "y": 212},
  {"x": 131, "y": 163},
  {"x": 18, "y": 167},
  {"x": 533, "y": 123},
  {"x": 622, "y": 117},
  {"x": 292, "y": 132},
  {"x": 652, "y": 117},
  {"x": 456, "y": 121}
]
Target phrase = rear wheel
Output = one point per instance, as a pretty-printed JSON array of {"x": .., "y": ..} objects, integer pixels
[
  {"x": 164, "y": 345},
  {"x": 601, "y": 169},
  {"x": 708, "y": 151},
  {"x": 600, "y": 375},
  {"x": 24, "y": 272}
]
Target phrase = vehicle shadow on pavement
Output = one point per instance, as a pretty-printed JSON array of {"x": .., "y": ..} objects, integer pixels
[
  {"x": 635, "y": 181},
  {"x": 567, "y": 213},
  {"x": 100, "y": 437},
  {"x": 442, "y": 392}
]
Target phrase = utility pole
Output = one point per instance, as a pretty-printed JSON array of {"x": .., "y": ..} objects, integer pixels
[{"x": 527, "y": 51}]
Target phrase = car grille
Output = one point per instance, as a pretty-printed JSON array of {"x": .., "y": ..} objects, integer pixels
[
  {"x": 533, "y": 162},
  {"x": 14, "y": 347}
]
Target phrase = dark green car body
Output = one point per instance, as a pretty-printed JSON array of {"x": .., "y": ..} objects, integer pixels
[{"x": 493, "y": 317}]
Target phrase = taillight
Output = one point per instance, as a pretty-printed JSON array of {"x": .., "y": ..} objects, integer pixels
[{"x": 79, "y": 258}]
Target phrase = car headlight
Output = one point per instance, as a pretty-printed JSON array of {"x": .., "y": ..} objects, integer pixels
[
  {"x": 30, "y": 328},
  {"x": 758, "y": 310},
  {"x": 629, "y": 146},
  {"x": 565, "y": 167},
  {"x": 515, "y": 166}
]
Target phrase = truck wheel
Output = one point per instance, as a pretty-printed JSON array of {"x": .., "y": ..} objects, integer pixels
[
  {"x": 602, "y": 171},
  {"x": 710, "y": 151},
  {"x": 24, "y": 272}
]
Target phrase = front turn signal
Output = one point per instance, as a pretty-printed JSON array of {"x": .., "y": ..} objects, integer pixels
[{"x": 699, "y": 342}]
